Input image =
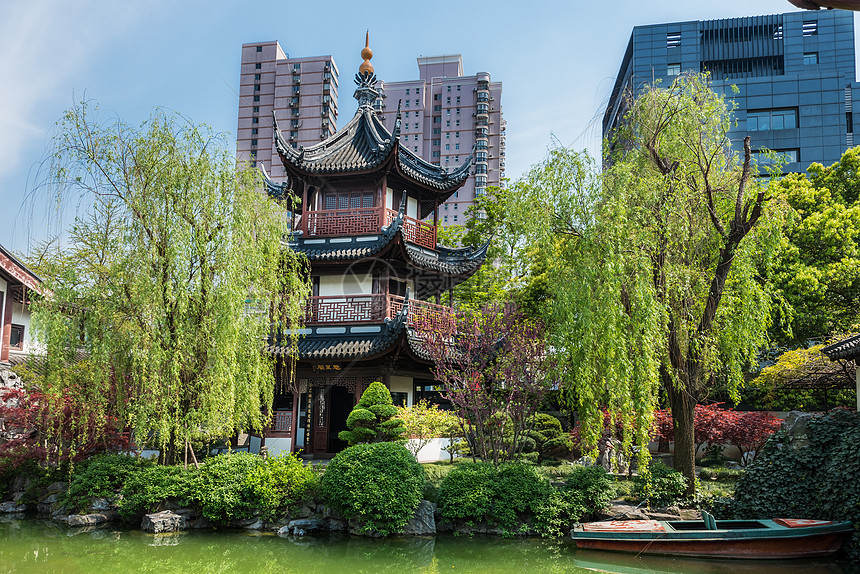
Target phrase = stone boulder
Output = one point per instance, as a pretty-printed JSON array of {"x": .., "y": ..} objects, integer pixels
[
  {"x": 89, "y": 519},
  {"x": 304, "y": 526},
  {"x": 12, "y": 507},
  {"x": 423, "y": 522},
  {"x": 165, "y": 521}
]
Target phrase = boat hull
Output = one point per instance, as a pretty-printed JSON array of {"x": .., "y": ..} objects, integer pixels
[
  {"x": 780, "y": 538},
  {"x": 769, "y": 548}
]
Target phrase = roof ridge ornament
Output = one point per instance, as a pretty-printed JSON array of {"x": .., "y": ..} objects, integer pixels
[{"x": 365, "y": 79}]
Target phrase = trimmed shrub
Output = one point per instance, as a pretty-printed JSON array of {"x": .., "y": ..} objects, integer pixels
[
  {"x": 279, "y": 484},
  {"x": 100, "y": 477},
  {"x": 549, "y": 438},
  {"x": 373, "y": 419},
  {"x": 587, "y": 491},
  {"x": 378, "y": 484},
  {"x": 148, "y": 487},
  {"x": 662, "y": 487},
  {"x": 508, "y": 497}
]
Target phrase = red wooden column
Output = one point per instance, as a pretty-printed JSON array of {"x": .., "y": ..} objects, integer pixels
[{"x": 7, "y": 326}]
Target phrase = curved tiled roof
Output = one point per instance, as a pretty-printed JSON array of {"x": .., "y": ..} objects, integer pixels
[
  {"x": 845, "y": 349},
  {"x": 463, "y": 261},
  {"x": 348, "y": 344},
  {"x": 365, "y": 144}
]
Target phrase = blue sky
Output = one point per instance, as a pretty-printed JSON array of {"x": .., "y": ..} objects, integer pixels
[{"x": 556, "y": 59}]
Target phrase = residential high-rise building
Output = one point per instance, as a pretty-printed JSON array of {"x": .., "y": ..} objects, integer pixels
[
  {"x": 794, "y": 73},
  {"x": 302, "y": 94},
  {"x": 445, "y": 115}
]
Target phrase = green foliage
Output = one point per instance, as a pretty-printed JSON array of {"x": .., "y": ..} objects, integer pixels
[
  {"x": 100, "y": 477},
  {"x": 174, "y": 273},
  {"x": 816, "y": 475},
  {"x": 378, "y": 484},
  {"x": 374, "y": 418},
  {"x": 423, "y": 422},
  {"x": 818, "y": 273},
  {"x": 548, "y": 437},
  {"x": 150, "y": 486},
  {"x": 663, "y": 486},
  {"x": 587, "y": 491},
  {"x": 279, "y": 483},
  {"x": 727, "y": 474},
  {"x": 508, "y": 497}
]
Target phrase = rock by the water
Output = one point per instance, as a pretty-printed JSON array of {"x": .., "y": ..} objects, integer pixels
[
  {"x": 88, "y": 519},
  {"x": 101, "y": 504},
  {"x": 423, "y": 522},
  {"x": 12, "y": 507},
  {"x": 303, "y": 526},
  {"x": 164, "y": 521}
]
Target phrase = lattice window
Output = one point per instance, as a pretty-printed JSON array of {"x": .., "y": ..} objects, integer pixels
[{"x": 283, "y": 421}]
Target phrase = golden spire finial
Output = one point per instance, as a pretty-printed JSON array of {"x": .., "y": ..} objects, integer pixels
[{"x": 366, "y": 54}]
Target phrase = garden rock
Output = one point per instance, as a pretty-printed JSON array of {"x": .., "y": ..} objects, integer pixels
[
  {"x": 621, "y": 511},
  {"x": 303, "y": 526},
  {"x": 423, "y": 522},
  {"x": 12, "y": 507},
  {"x": 89, "y": 519},
  {"x": 165, "y": 521},
  {"x": 101, "y": 504}
]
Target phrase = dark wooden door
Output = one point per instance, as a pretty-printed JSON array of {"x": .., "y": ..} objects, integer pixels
[{"x": 320, "y": 419}]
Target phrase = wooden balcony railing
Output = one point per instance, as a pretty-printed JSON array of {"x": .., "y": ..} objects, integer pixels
[
  {"x": 359, "y": 221},
  {"x": 348, "y": 309}
]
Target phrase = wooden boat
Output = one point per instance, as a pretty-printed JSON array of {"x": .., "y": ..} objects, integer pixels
[{"x": 709, "y": 538}]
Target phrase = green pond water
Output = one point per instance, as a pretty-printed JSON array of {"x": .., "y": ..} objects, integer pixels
[{"x": 29, "y": 545}]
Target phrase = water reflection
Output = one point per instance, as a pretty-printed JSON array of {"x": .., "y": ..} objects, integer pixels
[{"x": 39, "y": 546}]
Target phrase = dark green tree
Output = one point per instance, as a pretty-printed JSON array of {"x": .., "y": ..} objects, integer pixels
[
  {"x": 549, "y": 438},
  {"x": 374, "y": 418}
]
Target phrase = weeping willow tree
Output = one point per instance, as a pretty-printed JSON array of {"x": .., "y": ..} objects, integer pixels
[
  {"x": 659, "y": 278},
  {"x": 169, "y": 282}
]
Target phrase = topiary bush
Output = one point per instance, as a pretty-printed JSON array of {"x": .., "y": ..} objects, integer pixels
[
  {"x": 374, "y": 418},
  {"x": 662, "y": 487},
  {"x": 549, "y": 438},
  {"x": 508, "y": 497},
  {"x": 811, "y": 472},
  {"x": 378, "y": 484},
  {"x": 100, "y": 477}
]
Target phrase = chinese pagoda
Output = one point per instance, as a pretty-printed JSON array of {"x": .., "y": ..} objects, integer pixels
[{"x": 362, "y": 206}]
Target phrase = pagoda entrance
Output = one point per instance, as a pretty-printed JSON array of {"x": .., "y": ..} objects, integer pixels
[{"x": 332, "y": 400}]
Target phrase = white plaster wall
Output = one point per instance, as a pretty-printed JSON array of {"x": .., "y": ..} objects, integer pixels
[
  {"x": 21, "y": 316},
  {"x": 389, "y": 198},
  {"x": 412, "y": 207},
  {"x": 278, "y": 446},
  {"x": 432, "y": 452},
  {"x": 401, "y": 384},
  {"x": 349, "y": 284}
]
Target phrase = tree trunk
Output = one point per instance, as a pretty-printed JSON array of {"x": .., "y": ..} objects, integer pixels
[{"x": 683, "y": 412}]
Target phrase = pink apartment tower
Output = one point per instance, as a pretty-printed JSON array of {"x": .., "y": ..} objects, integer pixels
[
  {"x": 446, "y": 116},
  {"x": 300, "y": 92}
]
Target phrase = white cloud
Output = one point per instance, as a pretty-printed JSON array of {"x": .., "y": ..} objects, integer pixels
[{"x": 43, "y": 45}]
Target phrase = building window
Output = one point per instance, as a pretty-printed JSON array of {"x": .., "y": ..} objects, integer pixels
[
  {"x": 458, "y": 110},
  {"x": 16, "y": 338},
  {"x": 458, "y": 99},
  {"x": 416, "y": 102},
  {"x": 258, "y": 66},
  {"x": 437, "y": 131},
  {"x": 673, "y": 39},
  {"x": 407, "y": 91},
  {"x": 449, "y": 88},
  {"x": 253, "y": 142},
  {"x": 457, "y": 134},
  {"x": 256, "y": 109},
  {"x": 437, "y": 120},
  {"x": 783, "y": 155},
  {"x": 810, "y": 28},
  {"x": 416, "y": 125},
  {"x": 456, "y": 146},
  {"x": 447, "y": 147},
  {"x": 256, "y": 87},
  {"x": 255, "y": 120},
  {"x": 259, "y": 48},
  {"x": 253, "y": 131},
  {"x": 256, "y": 98},
  {"x": 436, "y": 142},
  {"x": 457, "y": 123},
  {"x": 407, "y": 103},
  {"x": 810, "y": 58},
  {"x": 257, "y": 77},
  {"x": 415, "y": 148},
  {"x": 778, "y": 119},
  {"x": 437, "y": 97},
  {"x": 436, "y": 154},
  {"x": 437, "y": 108},
  {"x": 445, "y": 218},
  {"x": 673, "y": 69},
  {"x": 297, "y": 67},
  {"x": 349, "y": 200},
  {"x": 448, "y": 100},
  {"x": 458, "y": 87}
]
